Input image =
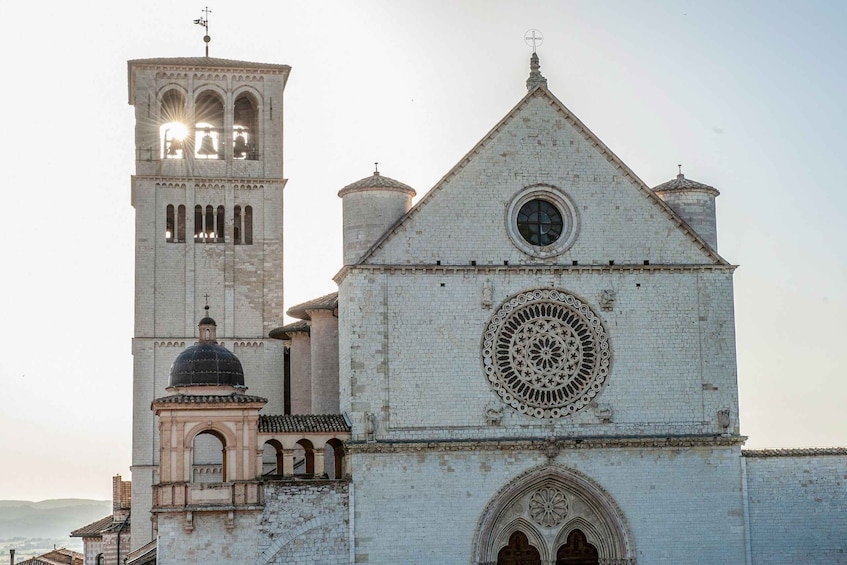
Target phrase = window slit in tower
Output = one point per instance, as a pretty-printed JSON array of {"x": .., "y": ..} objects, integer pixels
[
  {"x": 198, "y": 224},
  {"x": 180, "y": 224},
  {"x": 169, "y": 223},
  {"x": 209, "y": 227},
  {"x": 236, "y": 228},
  {"x": 248, "y": 225},
  {"x": 219, "y": 225}
]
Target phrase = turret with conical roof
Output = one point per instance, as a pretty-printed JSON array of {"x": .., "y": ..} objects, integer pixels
[
  {"x": 371, "y": 206},
  {"x": 694, "y": 202}
]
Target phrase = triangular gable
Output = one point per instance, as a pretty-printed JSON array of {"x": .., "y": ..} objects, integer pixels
[{"x": 589, "y": 136}]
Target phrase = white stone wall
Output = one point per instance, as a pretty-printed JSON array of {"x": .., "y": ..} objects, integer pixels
[
  {"x": 681, "y": 505},
  {"x": 210, "y": 541},
  {"x": 411, "y": 351},
  {"x": 463, "y": 218},
  {"x": 797, "y": 509},
  {"x": 698, "y": 210}
]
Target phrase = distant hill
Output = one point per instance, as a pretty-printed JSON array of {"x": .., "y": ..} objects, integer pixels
[{"x": 49, "y": 518}]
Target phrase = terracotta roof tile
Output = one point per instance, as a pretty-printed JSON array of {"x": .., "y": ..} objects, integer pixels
[
  {"x": 93, "y": 529},
  {"x": 282, "y": 333},
  {"x": 206, "y": 62},
  {"x": 233, "y": 398},
  {"x": 327, "y": 302},
  {"x": 303, "y": 423}
]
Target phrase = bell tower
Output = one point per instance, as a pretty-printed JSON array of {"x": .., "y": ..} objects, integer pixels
[{"x": 208, "y": 199}]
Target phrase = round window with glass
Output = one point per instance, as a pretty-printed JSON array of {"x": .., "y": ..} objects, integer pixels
[{"x": 542, "y": 221}]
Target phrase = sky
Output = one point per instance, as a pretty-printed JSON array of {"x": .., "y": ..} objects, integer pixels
[{"x": 747, "y": 95}]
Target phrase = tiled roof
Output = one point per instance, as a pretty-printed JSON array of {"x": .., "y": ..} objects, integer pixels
[
  {"x": 144, "y": 555},
  {"x": 303, "y": 423},
  {"x": 682, "y": 183},
  {"x": 206, "y": 62},
  {"x": 328, "y": 302},
  {"x": 233, "y": 398},
  {"x": 376, "y": 180},
  {"x": 93, "y": 529},
  {"x": 282, "y": 333},
  {"x": 797, "y": 452}
]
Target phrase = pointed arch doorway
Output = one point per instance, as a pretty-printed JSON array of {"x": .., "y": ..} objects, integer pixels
[{"x": 552, "y": 515}]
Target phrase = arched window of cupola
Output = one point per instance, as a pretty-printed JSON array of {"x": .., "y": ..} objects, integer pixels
[
  {"x": 173, "y": 129},
  {"x": 245, "y": 128},
  {"x": 208, "y": 451},
  {"x": 519, "y": 551},
  {"x": 208, "y": 126}
]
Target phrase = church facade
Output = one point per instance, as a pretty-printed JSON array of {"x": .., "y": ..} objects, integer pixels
[{"x": 535, "y": 363}]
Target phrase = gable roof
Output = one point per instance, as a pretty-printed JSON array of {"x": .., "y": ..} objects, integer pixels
[
  {"x": 541, "y": 91},
  {"x": 94, "y": 529}
]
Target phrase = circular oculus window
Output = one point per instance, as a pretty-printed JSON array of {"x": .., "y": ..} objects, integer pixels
[
  {"x": 541, "y": 221},
  {"x": 546, "y": 353}
]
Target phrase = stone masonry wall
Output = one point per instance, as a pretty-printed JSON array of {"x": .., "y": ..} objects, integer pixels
[
  {"x": 797, "y": 506},
  {"x": 305, "y": 523}
]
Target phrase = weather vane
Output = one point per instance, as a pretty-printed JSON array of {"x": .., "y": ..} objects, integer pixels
[
  {"x": 204, "y": 21},
  {"x": 534, "y": 38}
]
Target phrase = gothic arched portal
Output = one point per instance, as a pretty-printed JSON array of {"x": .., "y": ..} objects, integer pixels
[{"x": 561, "y": 514}]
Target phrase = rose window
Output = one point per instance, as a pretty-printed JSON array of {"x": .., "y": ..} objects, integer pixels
[
  {"x": 548, "y": 507},
  {"x": 546, "y": 353}
]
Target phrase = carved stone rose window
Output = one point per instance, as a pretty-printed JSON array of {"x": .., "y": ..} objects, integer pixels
[{"x": 546, "y": 353}]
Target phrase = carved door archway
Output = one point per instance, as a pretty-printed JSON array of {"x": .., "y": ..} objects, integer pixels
[
  {"x": 519, "y": 551},
  {"x": 561, "y": 514},
  {"x": 577, "y": 551}
]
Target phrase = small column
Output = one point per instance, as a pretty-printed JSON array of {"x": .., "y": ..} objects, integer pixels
[
  {"x": 319, "y": 461},
  {"x": 287, "y": 462}
]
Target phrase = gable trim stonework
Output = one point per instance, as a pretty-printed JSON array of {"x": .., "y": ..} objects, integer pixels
[{"x": 542, "y": 92}]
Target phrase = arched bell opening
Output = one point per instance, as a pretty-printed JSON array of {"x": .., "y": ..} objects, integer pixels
[
  {"x": 208, "y": 126},
  {"x": 208, "y": 458},
  {"x": 173, "y": 129},
  {"x": 245, "y": 128}
]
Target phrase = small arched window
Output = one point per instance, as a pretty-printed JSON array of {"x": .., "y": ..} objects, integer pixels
[
  {"x": 220, "y": 226},
  {"x": 208, "y": 452},
  {"x": 209, "y": 227},
  {"x": 199, "y": 234},
  {"x": 248, "y": 225},
  {"x": 237, "y": 228},
  {"x": 180, "y": 224},
  {"x": 170, "y": 222}
]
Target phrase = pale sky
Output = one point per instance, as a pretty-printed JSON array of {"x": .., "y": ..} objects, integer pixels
[{"x": 747, "y": 96}]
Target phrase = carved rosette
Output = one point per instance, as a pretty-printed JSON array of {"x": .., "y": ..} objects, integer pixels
[
  {"x": 548, "y": 507},
  {"x": 546, "y": 353}
]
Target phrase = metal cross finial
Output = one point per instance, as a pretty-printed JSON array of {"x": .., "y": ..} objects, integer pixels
[
  {"x": 206, "y": 296},
  {"x": 533, "y": 37},
  {"x": 205, "y": 23},
  {"x": 680, "y": 169},
  {"x": 376, "y": 167}
]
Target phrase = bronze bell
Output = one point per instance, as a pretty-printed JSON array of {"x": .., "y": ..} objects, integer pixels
[
  {"x": 207, "y": 146},
  {"x": 175, "y": 145},
  {"x": 240, "y": 147}
]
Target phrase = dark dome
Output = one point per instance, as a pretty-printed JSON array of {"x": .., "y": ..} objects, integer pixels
[
  {"x": 207, "y": 321},
  {"x": 206, "y": 363}
]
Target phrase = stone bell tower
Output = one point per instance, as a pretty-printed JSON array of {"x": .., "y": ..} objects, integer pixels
[{"x": 207, "y": 193}]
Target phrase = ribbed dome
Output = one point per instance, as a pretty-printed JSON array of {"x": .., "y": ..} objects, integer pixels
[
  {"x": 207, "y": 362},
  {"x": 378, "y": 182}
]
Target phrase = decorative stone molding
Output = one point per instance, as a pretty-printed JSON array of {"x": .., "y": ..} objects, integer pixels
[
  {"x": 494, "y": 412},
  {"x": 548, "y": 506},
  {"x": 542, "y": 445},
  {"x": 606, "y": 299},
  {"x": 546, "y": 353},
  {"x": 487, "y": 291},
  {"x": 723, "y": 418}
]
